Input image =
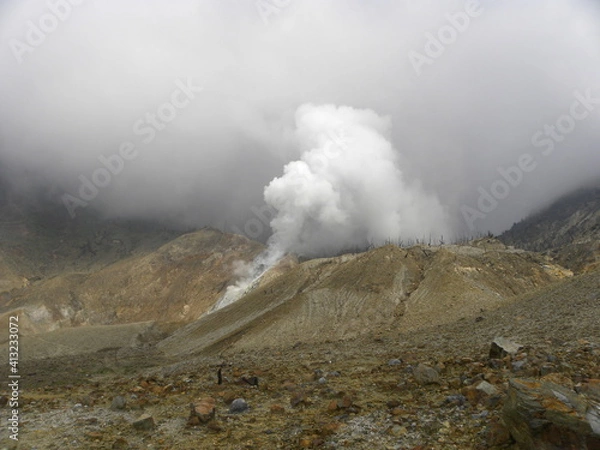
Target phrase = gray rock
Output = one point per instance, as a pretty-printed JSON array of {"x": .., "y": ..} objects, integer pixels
[
  {"x": 543, "y": 415},
  {"x": 119, "y": 402},
  {"x": 145, "y": 422},
  {"x": 496, "y": 363},
  {"x": 426, "y": 375},
  {"x": 519, "y": 365},
  {"x": 238, "y": 406},
  {"x": 487, "y": 388},
  {"x": 394, "y": 362},
  {"x": 546, "y": 369},
  {"x": 482, "y": 415},
  {"x": 457, "y": 400},
  {"x": 502, "y": 347}
]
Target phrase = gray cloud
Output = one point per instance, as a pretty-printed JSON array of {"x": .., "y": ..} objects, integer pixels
[{"x": 472, "y": 111}]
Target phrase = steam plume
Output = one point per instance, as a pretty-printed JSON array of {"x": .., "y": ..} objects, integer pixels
[{"x": 347, "y": 188}]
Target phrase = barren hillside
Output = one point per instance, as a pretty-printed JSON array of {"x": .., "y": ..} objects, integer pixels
[
  {"x": 389, "y": 287},
  {"x": 175, "y": 283},
  {"x": 569, "y": 231}
]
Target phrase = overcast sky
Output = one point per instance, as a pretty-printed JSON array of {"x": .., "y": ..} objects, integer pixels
[{"x": 449, "y": 117}]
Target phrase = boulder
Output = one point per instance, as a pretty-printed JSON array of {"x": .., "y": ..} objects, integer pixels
[
  {"x": 543, "y": 415},
  {"x": 502, "y": 347}
]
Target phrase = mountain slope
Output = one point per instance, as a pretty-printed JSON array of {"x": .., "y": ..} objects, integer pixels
[
  {"x": 176, "y": 283},
  {"x": 41, "y": 244},
  {"x": 389, "y": 287},
  {"x": 569, "y": 231},
  {"x": 9, "y": 280}
]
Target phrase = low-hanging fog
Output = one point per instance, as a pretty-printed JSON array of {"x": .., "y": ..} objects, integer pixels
[{"x": 328, "y": 124}]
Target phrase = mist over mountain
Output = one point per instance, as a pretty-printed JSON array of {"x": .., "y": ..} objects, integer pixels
[
  {"x": 462, "y": 117},
  {"x": 569, "y": 230}
]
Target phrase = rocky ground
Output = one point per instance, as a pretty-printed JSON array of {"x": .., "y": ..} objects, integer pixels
[{"x": 436, "y": 388}]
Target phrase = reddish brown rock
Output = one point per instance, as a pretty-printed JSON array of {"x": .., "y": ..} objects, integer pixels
[
  {"x": 472, "y": 395},
  {"x": 455, "y": 383},
  {"x": 229, "y": 397},
  {"x": 497, "y": 434},
  {"x": 215, "y": 426},
  {"x": 346, "y": 402},
  {"x": 306, "y": 443},
  {"x": 277, "y": 409},
  {"x": 397, "y": 412},
  {"x": 393, "y": 404},
  {"x": 202, "y": 411},
  {"x": 289, "y": 386},
  {"x": 330, "y": 428},
  {"x": 94, "y": 435},
  {"x": 332, "y": 406}
]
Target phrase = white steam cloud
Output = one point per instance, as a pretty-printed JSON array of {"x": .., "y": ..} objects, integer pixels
[
  {"x": 249, "y": 275},
  {"x": 347, "y": 188}
]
